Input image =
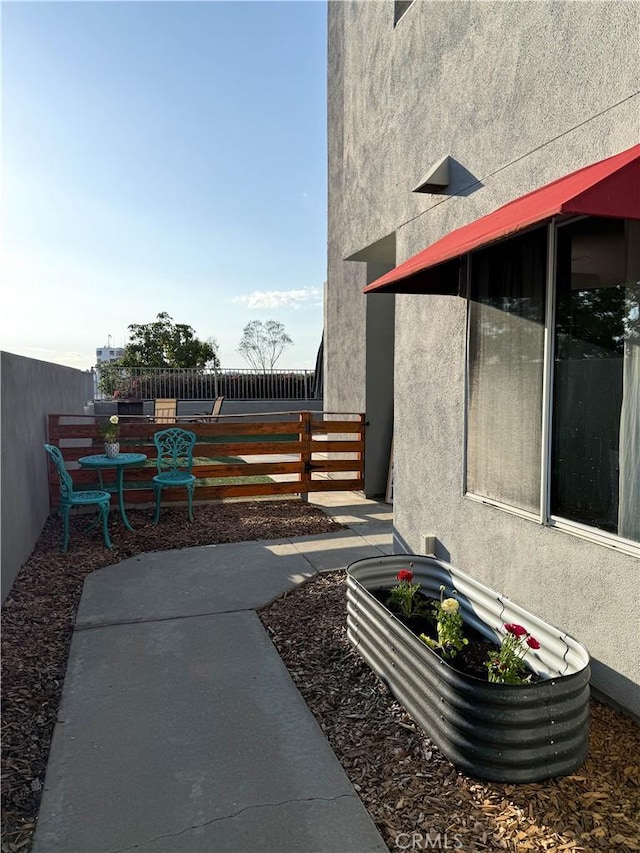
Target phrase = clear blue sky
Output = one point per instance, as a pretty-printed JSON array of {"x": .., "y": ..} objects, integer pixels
[{"x": 162, "y": 156}]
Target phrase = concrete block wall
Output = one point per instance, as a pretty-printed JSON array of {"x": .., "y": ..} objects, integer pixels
[
  {"x": 30, "y": 390},
  {"x": 257, "y": 407},
  {"x": 187, "y": 408}
]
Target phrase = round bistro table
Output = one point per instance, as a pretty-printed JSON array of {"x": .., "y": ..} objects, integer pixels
[{"x": 119, "y": 462}]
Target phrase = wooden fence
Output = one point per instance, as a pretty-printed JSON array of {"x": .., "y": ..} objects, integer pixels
[{"x": 303, "y": 445}]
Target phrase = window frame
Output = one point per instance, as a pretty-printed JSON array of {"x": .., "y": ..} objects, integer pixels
[{"x": 544, "y": 517}]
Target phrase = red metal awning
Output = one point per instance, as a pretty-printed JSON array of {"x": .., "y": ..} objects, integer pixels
[{"x": 610, "y": 187}]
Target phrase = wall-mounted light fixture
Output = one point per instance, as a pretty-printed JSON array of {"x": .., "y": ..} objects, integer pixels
[{"x": 437, "y": 178}]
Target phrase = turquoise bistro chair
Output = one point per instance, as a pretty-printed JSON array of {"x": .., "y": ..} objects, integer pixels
[
  {"x": 175, "y": 460},
  {"x": 70, "y": 498}
]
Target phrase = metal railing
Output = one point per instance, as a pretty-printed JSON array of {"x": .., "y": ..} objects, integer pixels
[{"x": 149, "y": 383}]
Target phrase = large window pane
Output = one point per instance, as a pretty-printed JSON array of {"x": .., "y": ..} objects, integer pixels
[
  {"x": 506, "y": 341},
  {"x": 595, "y": 474}
]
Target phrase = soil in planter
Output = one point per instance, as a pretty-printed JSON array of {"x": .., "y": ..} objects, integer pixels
[{"x": 471, "y": 660}]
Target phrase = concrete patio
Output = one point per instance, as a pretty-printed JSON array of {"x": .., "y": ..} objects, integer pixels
[{"x": 180, "y": 728}]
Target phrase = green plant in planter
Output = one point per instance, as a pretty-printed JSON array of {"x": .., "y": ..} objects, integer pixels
[
  {"x": 507, "y": 665},
  {"x": 404, "y": 596},
  {"x": 449, "y": 626},
  {"x": 111, "y": 430}
]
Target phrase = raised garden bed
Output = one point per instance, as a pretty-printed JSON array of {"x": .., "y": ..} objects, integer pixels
[{"x": 500, "y": 732}]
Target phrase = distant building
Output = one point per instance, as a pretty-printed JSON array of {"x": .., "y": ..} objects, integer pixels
[
  {"x": 108, "y": 353},
  {"x": 104, "y": 354}
]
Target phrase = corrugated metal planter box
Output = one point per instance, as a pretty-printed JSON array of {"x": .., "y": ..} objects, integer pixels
[{"x": 499, "y": 732}]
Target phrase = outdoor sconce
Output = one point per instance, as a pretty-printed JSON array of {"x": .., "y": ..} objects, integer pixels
[{"x": 437, "y": 179}]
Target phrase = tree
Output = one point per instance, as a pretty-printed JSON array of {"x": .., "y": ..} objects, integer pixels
[
  {"x": 262, "y": 344},
  {"x": 164, "y": 343},
  {"x": 214, "y": 361}
]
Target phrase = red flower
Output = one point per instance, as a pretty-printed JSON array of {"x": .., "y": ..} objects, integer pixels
[
  {"x": 516, "y": 630},
  {"x": 404, "y": 575},
  {"x": 533, "y": 643}
]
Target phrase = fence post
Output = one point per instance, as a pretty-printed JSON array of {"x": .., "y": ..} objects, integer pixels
[
  {"x": 362, "y": 436},
  {"x": 305, "y": 453}
]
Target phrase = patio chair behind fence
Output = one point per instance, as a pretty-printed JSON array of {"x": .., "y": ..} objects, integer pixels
[{"x": 165, "y": 411}]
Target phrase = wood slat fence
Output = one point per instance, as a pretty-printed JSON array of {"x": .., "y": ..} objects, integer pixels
[{"x": 223, "y": 451}]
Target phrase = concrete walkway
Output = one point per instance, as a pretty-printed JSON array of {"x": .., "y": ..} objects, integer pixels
[{"x": 180, "y": 728}]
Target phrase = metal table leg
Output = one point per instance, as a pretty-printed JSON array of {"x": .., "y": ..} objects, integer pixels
[{"x": 123, "y": 514}]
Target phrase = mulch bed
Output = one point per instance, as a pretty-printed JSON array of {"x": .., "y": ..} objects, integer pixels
[
  {"x": 418, "y": 800},
  {"x": 38, "y": 616}
]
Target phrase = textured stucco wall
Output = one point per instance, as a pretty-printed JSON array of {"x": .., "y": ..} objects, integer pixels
[
  {"x": 345, "y": 304},
  {"x": 380, "y": 321},
  {"x": 30, "y": 390},
  {"x": 519, "y": 94},
  {"x": 359, "y": 336}
]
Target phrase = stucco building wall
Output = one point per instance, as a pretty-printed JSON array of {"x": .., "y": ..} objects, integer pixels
[
  {"x": 30, "y": 390},
  {"x": 345, "y": 304},
  {"x": 519, "y": 94}
]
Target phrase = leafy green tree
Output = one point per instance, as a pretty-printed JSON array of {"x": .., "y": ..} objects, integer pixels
[
  {"x": 160, "y": 344},
  {"x": 111, "y": 377},
  {"x": 164, "y": 343},
  {"x": 262, "y": 344}
]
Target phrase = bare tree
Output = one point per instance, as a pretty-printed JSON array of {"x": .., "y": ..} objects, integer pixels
[{"x": 262, "y": 344}]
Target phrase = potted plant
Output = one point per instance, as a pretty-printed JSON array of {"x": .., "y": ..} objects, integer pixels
[
  {"x": 110, "y": 434},
  {"x": 526, "y": 728}
]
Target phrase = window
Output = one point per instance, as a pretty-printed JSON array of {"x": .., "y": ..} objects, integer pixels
[
  {"x": 506, "y": 340},
  {"x": 595, "y": 457},
  {"x": 590, "y": 405}
]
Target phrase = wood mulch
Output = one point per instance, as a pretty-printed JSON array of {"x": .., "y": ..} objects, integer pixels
[
  {"x": 417, "y": 799},
  {"x": 38, "y": 616}
]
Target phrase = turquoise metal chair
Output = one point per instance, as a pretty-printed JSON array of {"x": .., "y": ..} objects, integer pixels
[
  {"x": 70, "y": 498},
  {"x": 175, "y": 460}
]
